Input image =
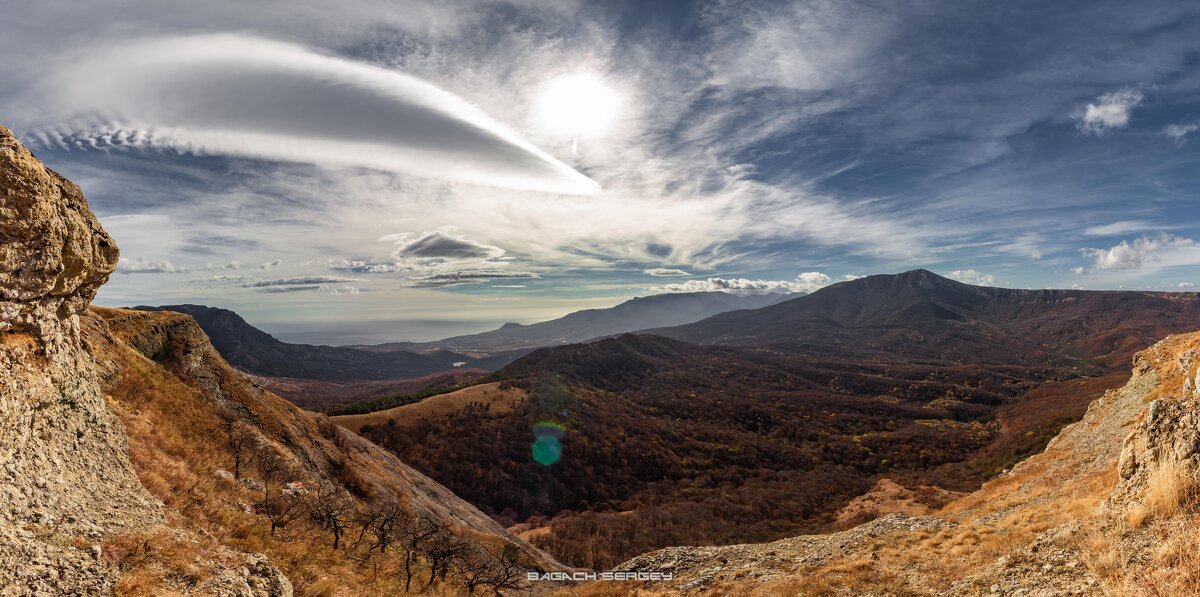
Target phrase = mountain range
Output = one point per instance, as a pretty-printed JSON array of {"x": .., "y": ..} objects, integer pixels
[
  {"x": 318, "y": 376},
  {"x": 641, "y": 313},
  {"x": 765, "y": 422}
]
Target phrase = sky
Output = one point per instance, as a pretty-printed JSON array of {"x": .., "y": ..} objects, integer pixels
[{"x": 372, "y": 170}]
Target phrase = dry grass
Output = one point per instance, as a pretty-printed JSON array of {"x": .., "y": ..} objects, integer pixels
[
  {"x": 1136, "y": 515},
  {"x": 498, "y": 400},
  {"x": 1171, "y": 490},
  {"x": 176, "y": 445}
]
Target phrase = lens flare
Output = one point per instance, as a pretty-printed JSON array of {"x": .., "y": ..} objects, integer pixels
[{"x": 547, "y": 444}]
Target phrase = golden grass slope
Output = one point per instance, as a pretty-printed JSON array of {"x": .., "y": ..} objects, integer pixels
[
  {"x": 177, "y": 399},
  {"x": 498, "y": 397}
]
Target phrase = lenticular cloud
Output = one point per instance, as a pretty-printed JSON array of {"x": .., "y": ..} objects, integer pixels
[{"x": 243, "y": 96}]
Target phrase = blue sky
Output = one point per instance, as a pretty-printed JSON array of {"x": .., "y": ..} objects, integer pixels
[{"x": 366, "y": 164}]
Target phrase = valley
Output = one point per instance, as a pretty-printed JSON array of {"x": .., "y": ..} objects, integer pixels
[{"x": 756, "y": 436}]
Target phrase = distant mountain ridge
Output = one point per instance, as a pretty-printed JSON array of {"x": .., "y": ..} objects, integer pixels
[
  {"x": 254, "y": 350},
  {"x": 641, "y": 313},
  {"x": 922, "y": 312}
]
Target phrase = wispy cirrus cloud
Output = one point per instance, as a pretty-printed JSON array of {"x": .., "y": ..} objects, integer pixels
[
  {"x": 297, "y": 281},
  {"x": 664, "y": 271}
]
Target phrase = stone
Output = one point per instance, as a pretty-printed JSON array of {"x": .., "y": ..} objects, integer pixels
[{"x": 66, "y": 456}]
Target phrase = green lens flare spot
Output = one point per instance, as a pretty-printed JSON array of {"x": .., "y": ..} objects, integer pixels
[{"x": 546, "y": 450}]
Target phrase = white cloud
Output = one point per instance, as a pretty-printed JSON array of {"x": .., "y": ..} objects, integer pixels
[
  {"x": 852, "y": 277},
  {"x": 338, "y": 290},
  {"x": 292, "y": 104},
  {"x": 1186, "y": 285},
  {"x": 1179, "y": 132},
  {"x": 1111, "y": 111},
  {"x": 297, "y": 281},
  {"x": 361, "y": 266},
  {"x": 142, "y": 266},
  {"x": 805, "y": 282},
  {"x": 216, "y": 267},
  {"x": 1128, "y": 256},
  {"x": 970, "y": 276},
  {"x": 664, "y": 271},
  {"x": 270, "y": 264},
  {"x": 811, "y": 281},
  {"x": 458, "y": 278},
  {"x": 1117, "y": 228},
  {"x": 440, "y": 245}
]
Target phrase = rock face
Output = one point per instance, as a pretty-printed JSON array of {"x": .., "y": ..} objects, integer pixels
[
  {"x": 65, "y": 476},
  {"x": 1166, "y": 435},
  {"x": 54, "y": 254}
]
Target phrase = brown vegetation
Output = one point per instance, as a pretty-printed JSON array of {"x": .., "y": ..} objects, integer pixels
[{"x": 330, "y": 511}]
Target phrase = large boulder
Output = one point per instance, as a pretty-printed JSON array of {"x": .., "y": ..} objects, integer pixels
[{"x": 54, "y": 254}]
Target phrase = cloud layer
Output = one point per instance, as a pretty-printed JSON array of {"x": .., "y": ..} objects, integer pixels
[
  {"x": 233, "y": 94},
  {"x": 805, "y": 282},
  {"x": 970, "y": 276}
]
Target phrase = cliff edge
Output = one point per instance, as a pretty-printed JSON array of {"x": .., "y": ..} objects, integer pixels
[{"x": 66, "y": 480}]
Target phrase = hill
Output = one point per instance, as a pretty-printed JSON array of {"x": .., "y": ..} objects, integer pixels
[
  {"x": 256, "y": 351},
  {"x": 630, "y": 316},
  {"x": 920, "y": 313},
  {"x": 911, "y": 377},
  {"x": 137, "y": 462}
]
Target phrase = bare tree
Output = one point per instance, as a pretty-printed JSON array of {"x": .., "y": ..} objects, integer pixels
[
  {"x": 440, "y": 549},
  {"x": 239, "y": 438},
  {"x": 416, "y": 535},
  {"x": 331, "y": 509},
  {"x": 478, "y": 568},
  {"x": 387, "y": 525},
  {"x": 280, "y": 502}
]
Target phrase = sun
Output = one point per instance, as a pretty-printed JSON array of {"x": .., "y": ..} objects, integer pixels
[{"x": 577, "y": 106}]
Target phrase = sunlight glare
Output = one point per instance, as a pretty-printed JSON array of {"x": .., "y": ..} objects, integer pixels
[{"x": 578, "y": 105}]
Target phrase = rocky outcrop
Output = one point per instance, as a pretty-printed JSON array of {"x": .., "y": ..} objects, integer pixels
[
  {"x": 54, "y": 254},
  {"x": 1166, "y": 434},
  {"x": 65, "y": 478}
]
